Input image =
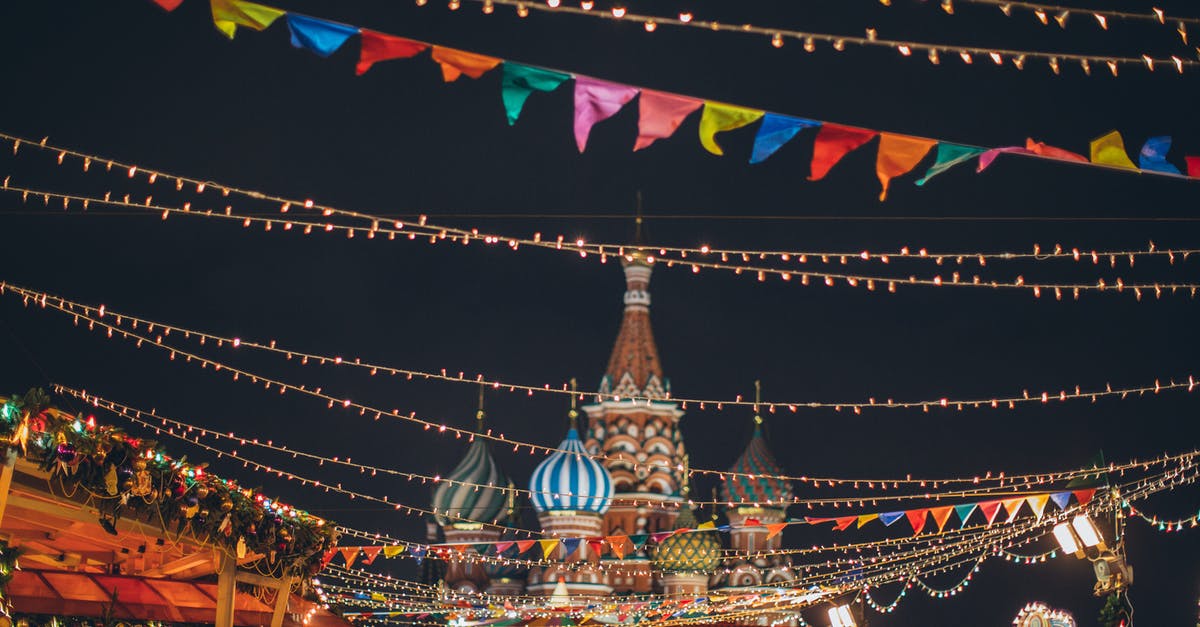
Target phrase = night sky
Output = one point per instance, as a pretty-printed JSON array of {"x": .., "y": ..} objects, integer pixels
[{"x": 127, "y": 80}]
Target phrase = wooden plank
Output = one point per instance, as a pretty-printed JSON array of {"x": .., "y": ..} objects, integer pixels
[
  {"x": 226, "y": 589},
  {"x": 282, "y": 595},
  {"x": 6, "y": 477}
]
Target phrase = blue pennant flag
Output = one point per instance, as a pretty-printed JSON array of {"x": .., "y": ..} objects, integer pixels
[
  {"x": 1154, "y": 155},
  {"x": 571, "y": 544},
  {"x": 320, "y": 36},
  {"x": 1061, "y": 499},
  {"x": 775, "y": 131},
  {"x": 890, "y": 517},
  {"x": 419, "y": 553}
]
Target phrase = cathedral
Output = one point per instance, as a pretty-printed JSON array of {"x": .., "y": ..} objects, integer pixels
[{"x": 621, "y": 470}]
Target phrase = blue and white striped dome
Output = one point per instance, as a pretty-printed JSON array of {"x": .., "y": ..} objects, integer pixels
[
  {"x": 570, "y": 480},
  {"x": 462, "y": 498}
]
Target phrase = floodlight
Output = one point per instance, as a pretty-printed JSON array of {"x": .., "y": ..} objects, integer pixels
[
  {"x": 840, "y": 617},
  {"x": 1066, "y": 538},
  {"x": 1088, "y": 534}
]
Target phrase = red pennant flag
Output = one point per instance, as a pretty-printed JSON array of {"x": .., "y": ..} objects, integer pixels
[
  {"x": 597, "y": 545},
  {"x": 989, "y": 509},
  {"x": 619, "y": 545},
  {"x": 1013, "y": 506},
  {"x": 834, "y": 142},
  {"x": 840, "y": 524},
  {"x": 774, "y": 529},
  {"x": 660, "y": 536},
  {"x": 751, "y": 522},
  {"x": 525, "y": 545},
  {"x": 377, "y": 46},
  {"x": 350, "y": 554},
  {"x": 660, "y": 114},
  {"x": 1193, "y": 166},
  {"x": 370, "y": 553},
  {"x": 812, "y": 520},
  {"x": 169, "y": 5},
  {"x": 1040, "y": 148},
  {"x": 1084, "y": 496},
  {"x": 327, "y": 557},
  {"x": 916, "y": 518},
  {"x": 941, "y": 515}
]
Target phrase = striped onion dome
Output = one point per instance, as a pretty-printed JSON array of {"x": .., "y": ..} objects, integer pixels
[
  {"x": 570, "y": 480},
  {"x": 748, "y": 485},
  {"x": 696, "y": 552},
  {"x": 455, "y": 500}
]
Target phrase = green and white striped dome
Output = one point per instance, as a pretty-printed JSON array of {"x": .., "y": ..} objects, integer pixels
[{"x": 454, "y": 501}]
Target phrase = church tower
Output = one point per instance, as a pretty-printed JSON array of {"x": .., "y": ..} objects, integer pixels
[{"x": 635, "y": 425}]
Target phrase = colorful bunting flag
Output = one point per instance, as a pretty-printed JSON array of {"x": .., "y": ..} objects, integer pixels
[
  {"x": 842, "y": 523},
  {"x": 898, "y": 154},
  {"x": 524, "y": 545},
  {"x": 916, "y": 518},
  {"x": 658, "y": 537},
  {"x": 597, "y": 545},
  {"x": 990, "y": 155},
  {"x": 419, "y": 553},
  {"x": 319, "y": 36},
  {"x": 370, "y": 553},
  {"x": 1012, "y": 506},
  {"x": 596, "y": 101},
  {"x": 833, "y": 142},
  {"x": 350, "y": 554},
  {"x": 751, "y": 522},
  {"x": 169, "y": 5},
  {"x": 1061, "y": 499},
  {"x": 619, "y": 545},
  {"x": 570, "y": 545},
  {"x": 660, "y": 114},
  {"x": 941, "y": 515},
  {"x": 518, "y": 81},
  {"x": 327, "y": 557},
  {"x": 377, "y": 46},
  {"x": 890, "y": 517},
  {"x": 964, "y": 512},
  {"x": 455, "y": 63},
  {"x": 989, "y": 510},
  {"x": 866, "y": 518},
  {"x": 812, "y": 520},
  {"x": 948, "y": 156},
  {"x": 230, "y": 14},
  {"x": 548, "y": 546},
  {"x": 1045, "y": 150},
  {"x": 501, "y": 547},
  {"x": 708, "y": 524},
  {"x": 1110, "y": 150},
  {"x": 775, "y": 131},
  {"x": 774, "y": 529},
  {"x": 1153, "y": 155},
  {"x": 1037, "y": 503},
  {"x": 718, "y": 118},
  {"x": 1193, "y": 166},
  {"x": 1084, "y": 496},
  {"x": 639, "y": 540}
]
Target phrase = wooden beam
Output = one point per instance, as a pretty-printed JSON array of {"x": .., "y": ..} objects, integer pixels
[
  {"x": 191, "y": 560},
  {"x": 282, "y": 595},
  {"x": 6, "y": 477},
  {"x": 226, "y": 589}
]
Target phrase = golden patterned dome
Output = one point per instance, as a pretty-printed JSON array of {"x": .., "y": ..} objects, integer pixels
[{"x": 694, "y": 552}]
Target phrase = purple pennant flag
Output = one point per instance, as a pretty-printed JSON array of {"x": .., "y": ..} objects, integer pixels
[{"x": 596, "y": 101}]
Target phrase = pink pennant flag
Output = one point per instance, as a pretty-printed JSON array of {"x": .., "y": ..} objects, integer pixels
[
  {"x": 596, "y": 101},
  {"x": 988, "y": 156},
  {"x": 169, "y": 5},
  {"x": 660, "y": 114},
  {"x": 1013, "y": 507},
  {"x": 989, "y": 510},
  {"x": 916, "y": 518},
  {"x": 503, "y": 546},
  {"x": 941, "y": 515}
]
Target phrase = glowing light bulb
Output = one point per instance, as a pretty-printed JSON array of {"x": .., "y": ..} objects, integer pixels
[
  {"x": 618, "y": 12},
  {"x": 587, "y": 5},
  {"x": 488, "y": 7},
  {"x": 651, "y": 26},
  {"x": 685, "y": 17},
  {"x": 777, "y": 40},
  {"x": 522, "y": 10}
]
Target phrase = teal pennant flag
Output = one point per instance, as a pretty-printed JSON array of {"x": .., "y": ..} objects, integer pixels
[{"x": 518, "y": 81}]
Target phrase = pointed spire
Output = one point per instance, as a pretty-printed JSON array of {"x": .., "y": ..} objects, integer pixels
[
  {"x": 574, "y": 413},
  {"x": 758, "y": 420},
  {"x": 479, "y": 414}
]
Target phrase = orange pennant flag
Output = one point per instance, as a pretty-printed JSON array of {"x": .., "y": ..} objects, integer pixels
[
  {"x": 455, "y": 63},
  {"x": 350, "y": 554},
  {"x": 774, "y": 529},
  {"x": 941, "y": 515},
  {"x": 1038, "y": 504},
  {"x": 1012, "y": 506},
  {"x": 844, "y": 523},
  {"x": 899, "y": 154},
  {"x": 525, "y": 545},
  {"x": 618, "y": 545},
  {"x": 548, "y": 546},
  {"x": 371, "y": 552},
  {"x": 866, "y": 518}
]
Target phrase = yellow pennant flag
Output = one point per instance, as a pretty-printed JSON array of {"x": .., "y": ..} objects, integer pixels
[
  {"x": 229, "y": 14},
  {"x": 1038, "y": 504},
  {"x": 1110, "y": 150},
  {"x": 866, "y": 518},
  {"x": 719, "y": 117},
  {"x": 393, "y": 551},
  {"x": 548, "y": 547},
  {"x": 707, "y": 525},
  {"x": 375, "y": 596}
]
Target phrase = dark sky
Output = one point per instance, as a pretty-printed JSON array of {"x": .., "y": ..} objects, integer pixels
[{"x": 166, "y": 90}]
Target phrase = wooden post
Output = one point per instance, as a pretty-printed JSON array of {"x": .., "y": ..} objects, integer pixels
[
  {"x": 6, "y": 476},
  {"x": 282, "y": 594},
  {"x": 226, "y": 589}
]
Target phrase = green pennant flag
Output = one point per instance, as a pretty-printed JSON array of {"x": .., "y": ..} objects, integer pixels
[
  {"x": 948, "y": 156},
  {"x": 518, "y": 81},
  {"x": 639, "y": 540},
  {"x": 482, "y": 549}
]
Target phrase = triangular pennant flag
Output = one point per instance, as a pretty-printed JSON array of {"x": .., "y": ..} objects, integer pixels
[
  {"x": 948, "y": 156},
  {"x": 718, "y": 117},
  {"x": 618, "y": 545},
  {"x": 639, "y": 540},
  {"x": 482, "y": 548},
  {"x": 524, "y": 545},
  {"x": 774, "y": 529},
  {"x": 941, "y": 515},
  {"x": 707, "y": 525},
  {"x": 419, "y": 553},
  {"x": 548, "y": 546},
  {"x": 1084, "y": 496},
  {"x": 988, "y": 156},
  {"x": 229, "y": 14},
  {"x": 1046, "y": 150},
  {"x": 504, "y": 546},
  {"x": 866, "y": 518},
  {"x": 660, "y": 536},
  {"x": 596, "y": 101},
  {"x": 989, "y": 510},
  {"x": 660, "y": 114},
  {"x": 751, "y": 522},
  {"x": 1037, "y": 503},
  {"x": 370, "y": 553},
  {"x": 392, "y": 551},
  {"x": 455, "y": 63},
  {"x": 1153, "y": 156},
  {"x": 1061, "y": 499},
  {"x": 834, "y": 142},
  {"x": 964, "y": 512},
  {"x": 597, "y": 545},
  {"x": 813, "y": 520},
  {"x": 327, "y": 556},
  {"x": 570, "y": 545},
  {"x": 518, "y": 81},
  {"x": 725, "y": 528},
  {"x": 1110, "y": 150},
  {"x": 844, "y": 522},
  {"x": 916, "y": 518},
  {"x": 1193, "y": 166},
  {"x": 377, "y": 46},
  {"x": 350, "y": 554},
  {"x": 775, "y": 131},
  {"x": 320, "y": 36},
  {"x": 1013, "y": 507},
  {"x": 898, "y": 154},
  {"x": 890, "y": 517},
  {"x": 169, "y": 5}
]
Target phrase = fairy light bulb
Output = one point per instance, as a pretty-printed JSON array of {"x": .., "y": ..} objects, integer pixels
[
  {"x": 618, "y": 12},
  {"x": 777, "y": 40},
  {"x": 685, "y": 17},
  {"x": 454, "y": 5},
  {"x": 1054, "y": 65},
  {"x": 1041, "y": 16},
  {"x": 1102, "y": 20},
  {"x": 996, "y": 58},
  {"x": 1019, "y": 61},
  {"x": 587, "y": 5},
  {"x": 422, "y": 3},
  {"x": 553, "y": 4},
  {"x": 1006, "y": 9},
  {"x": 488, "y": 7},
  {"x": 948, "y": 6},
  {"x": 522, "y": 10},
  {"x": 872, "y": 34},
  {"x": 933, "y": 56},
  {"x": 651, "y": 26},
  {"x": 809, "y": 44},
  {"x": 1061, "y": 18},
  {"x": 904, "y": 50},
  {"x": 839, "y": 44}
]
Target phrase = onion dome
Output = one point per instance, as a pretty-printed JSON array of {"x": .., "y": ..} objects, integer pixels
[
  {"x": 570, "y": 480},
  {"x": 746, "y": 482},
  {"x": 696, "y": 552},
  {"x": 459, "y": 497}
]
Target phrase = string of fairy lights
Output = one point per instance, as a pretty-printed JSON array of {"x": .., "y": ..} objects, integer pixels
[{"x": 779, "y": 37}]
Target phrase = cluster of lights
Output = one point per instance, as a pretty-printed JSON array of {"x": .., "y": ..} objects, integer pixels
[{"x": 1165, "y": 525}]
